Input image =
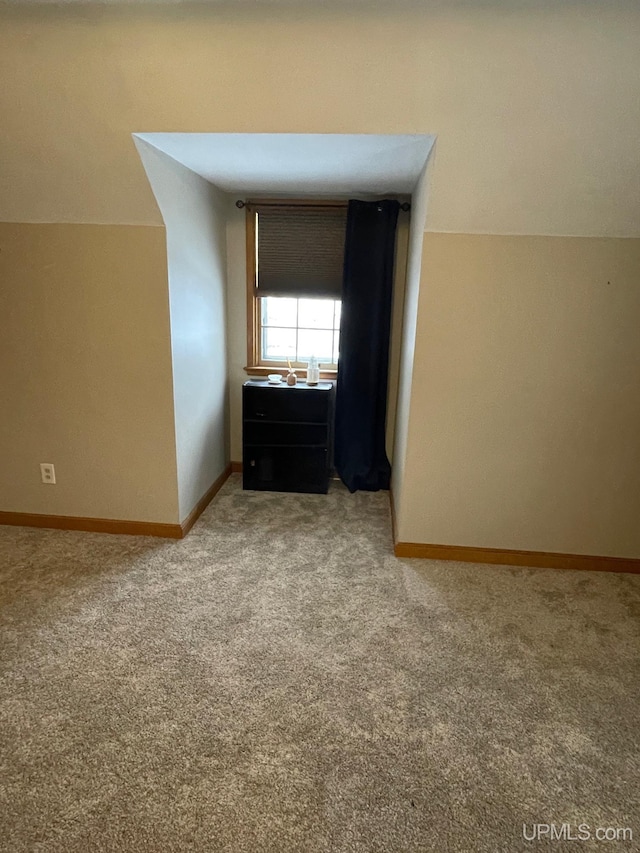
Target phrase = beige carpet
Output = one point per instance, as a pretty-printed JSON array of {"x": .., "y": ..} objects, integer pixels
[{"x": 278, "y": 681}]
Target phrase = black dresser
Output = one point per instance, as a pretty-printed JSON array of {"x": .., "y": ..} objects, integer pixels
[{"x": 287, "y": 436}]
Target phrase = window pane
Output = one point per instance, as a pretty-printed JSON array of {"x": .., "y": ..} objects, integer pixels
[
  {"x": 279, "y": 311},
  {"x": 315, "y": 342},
  {"x": 336, "y": 317},
  {"x": 278, "y": 344},
  {"x": 316, "y": 313},
  {"x": 336, "y": 346}
]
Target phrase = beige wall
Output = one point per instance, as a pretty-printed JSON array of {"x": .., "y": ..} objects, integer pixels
[
  {"x": 525, "y": 410},
  {"x": 237, "y": 320},
  {"x": 397, "y": 317},
  {"x": 86, "y": 372},
  {"x": 406, "y": 334},
  {"x": 535, "y": 104},
  {"x": 195, "y": 215}
]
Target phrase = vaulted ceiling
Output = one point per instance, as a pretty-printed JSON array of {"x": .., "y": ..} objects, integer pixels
[{"x": 534, "y": 105}]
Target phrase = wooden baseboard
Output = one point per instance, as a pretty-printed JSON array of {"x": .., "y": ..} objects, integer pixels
[
  {"x": 92, "y": 525},
  {"x": 505, "y": 557},
  {"x": 114, "y": 525},
  {"x": 204, "y": 501},
  {"x": 236, "y": 467}
]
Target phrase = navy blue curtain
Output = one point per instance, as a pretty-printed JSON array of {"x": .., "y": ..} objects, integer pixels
[{"x": 365, "y": 327}]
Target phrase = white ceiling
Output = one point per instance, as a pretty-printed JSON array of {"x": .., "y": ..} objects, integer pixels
[{"x": 300, "y": 163}]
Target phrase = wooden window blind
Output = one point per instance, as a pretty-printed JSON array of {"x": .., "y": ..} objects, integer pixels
[{"x": 300, "y": 250}]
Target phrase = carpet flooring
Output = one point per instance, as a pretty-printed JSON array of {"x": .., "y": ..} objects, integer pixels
[{"x": 279, "y": 681}]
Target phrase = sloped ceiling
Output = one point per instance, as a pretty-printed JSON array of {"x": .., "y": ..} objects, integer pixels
[{"x": 535, "y": 109}]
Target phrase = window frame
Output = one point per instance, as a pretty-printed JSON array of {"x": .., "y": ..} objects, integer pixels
[{"x": 255, "y": 365}]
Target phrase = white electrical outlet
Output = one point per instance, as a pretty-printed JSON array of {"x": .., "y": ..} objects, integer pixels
[{"x": 48, "y": 473}]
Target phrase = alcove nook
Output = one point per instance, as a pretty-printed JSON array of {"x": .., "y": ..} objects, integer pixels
[{"x": 196, "y": 179}]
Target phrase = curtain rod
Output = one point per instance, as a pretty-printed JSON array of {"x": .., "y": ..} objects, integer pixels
[{"x": 310, "y": 203}]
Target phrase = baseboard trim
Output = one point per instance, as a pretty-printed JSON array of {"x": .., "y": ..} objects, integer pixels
[
  {"x": 236, "y": 467},
  {"x": 115, "y": 525},
  {"x": 92, "y": 525},
  {"x": 505, "y": 557},
  {"x": 204, "y": 501}
]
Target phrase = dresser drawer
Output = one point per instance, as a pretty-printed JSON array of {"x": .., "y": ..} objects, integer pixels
[
  {"x": 285, "y": 404},
  {"x": 286, "y": 469},
  {"x": 274, "y": 432}
]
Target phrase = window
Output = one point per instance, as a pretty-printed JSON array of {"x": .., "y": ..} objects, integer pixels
[
  {"x": 295, "y": 255},
  {"x": 295, "y": 329}
]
